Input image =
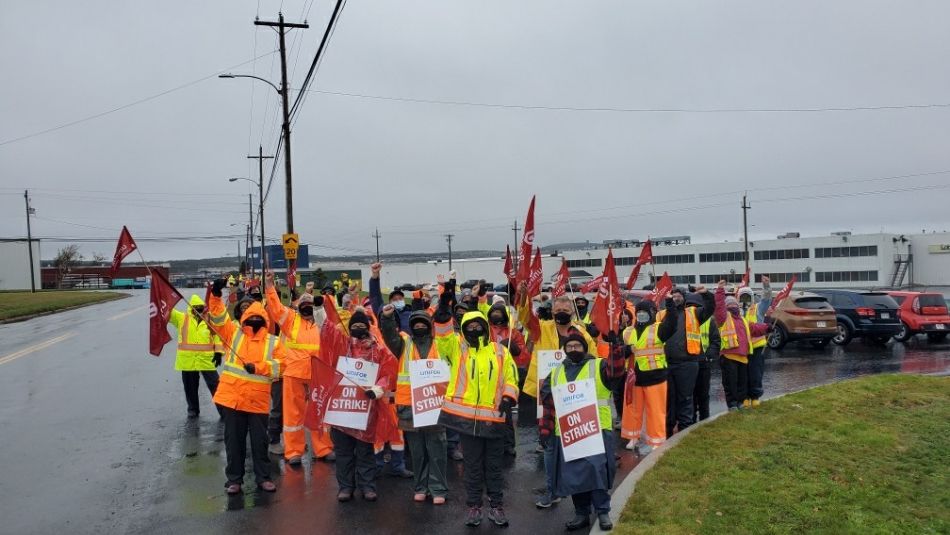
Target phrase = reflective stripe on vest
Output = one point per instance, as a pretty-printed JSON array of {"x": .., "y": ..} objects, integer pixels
[
  {"x": 729, "y": 336},
  {"x": 704, "y": 333},
  {"x": 184, "y": 344},
  {"x": 456, "y": 405},
  {"x": 289, "y": 341},
  {"x": 234, "y": 369},
  {"x": 411, "y": 352},
  {"x": 693, "y": 335},
  {"x": 752, "y": 316},
  {"x": 648, "y": 353},
  {"x": 590, "y": 370}
]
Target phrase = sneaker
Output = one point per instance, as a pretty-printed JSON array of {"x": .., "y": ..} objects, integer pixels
[
  {"x": 756, "y": 403},
  {"x": 438, "y": 500},
  {"x": 474, "y": 517},
  {"x": 579, "y": 522},
  {"x": 294, "y": 461},
  {"x": 546, "y": 500},
  {"x": 419, "y": 497},
  {"x": 747, "y": 404},
  {"x": 233, "y": 488},
  {"x": 192, "y": 415},
  {"x": 457, "y": 455},
  {"x": 604, "y": 520},
  {"x": 370, "y": 495},
  {"x": 497, "y": 515},
  {"x": 644, "y": 449},
  {"x": 276, "y": 448},
  {"x": 268, "y": 486},
  {"x": 539, "y": 449},
  {"x": 344, "y": 495},
  {"x": 632, "y": 445}
]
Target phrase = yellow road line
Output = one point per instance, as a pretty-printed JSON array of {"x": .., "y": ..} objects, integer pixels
[
  {"x": 124, "y": 314},
  {"x": 42, "y": 345}
]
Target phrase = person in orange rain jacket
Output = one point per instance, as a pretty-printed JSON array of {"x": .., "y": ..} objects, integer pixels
[
  {"x": 300, "y": 335},
  {"x": 253, "y": 362},
  {"x": 354, "y": 449}
]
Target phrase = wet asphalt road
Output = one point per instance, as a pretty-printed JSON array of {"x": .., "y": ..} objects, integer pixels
[{"x": 95, "y": 440}]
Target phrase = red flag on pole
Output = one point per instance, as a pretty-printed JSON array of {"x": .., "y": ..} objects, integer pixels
[
  {"x": 606, "y": 312},
  {"x": 509, "y": 268},
  {"x": 123, "y": 249},
  {"x": 745, "y": 278},
  {"x": 779, "y": 297},
  {"x": 561, "y": 280},
  {"x": 163, "y": 298},
  {"x": 527, "y": 246},
  {"x": 662, "y": 289},
  {"x": 537, "y": 275},
  {"x": 646, "y": 257},
  {"x": 592, "y": 285}
]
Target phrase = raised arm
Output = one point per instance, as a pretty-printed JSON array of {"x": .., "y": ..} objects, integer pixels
[{"x": 375, "y": 293}]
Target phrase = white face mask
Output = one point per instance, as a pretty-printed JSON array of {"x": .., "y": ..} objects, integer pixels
[{"x": 643, "y": 317}]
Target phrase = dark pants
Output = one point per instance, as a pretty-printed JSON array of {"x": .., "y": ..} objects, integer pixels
[
  {"x": 452, "y": 439},
  {"x": 191, "y": 380},
  {"x": 679, "y": 395},
  {"x": 734, "y": 379},
  {"x": 483, "y": 469},
  {"x": 598, "y": 498},
  {"x": 617, "y": 390},
  {"x": 429, "y": 462},
  {"x": 275, "y": 423},
  {"x": 355, "y": 462},
  {"x": 237, "y": 425},
  {"x": 701, "y": 392},
  {"x": 756, "y": 371},
  {"x": 510, "y": 435}
]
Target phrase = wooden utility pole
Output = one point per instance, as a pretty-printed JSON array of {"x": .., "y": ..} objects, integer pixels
[
  {"x": 745, "y": 232},
  {"x": 376, "y": 235},
  {"x": 29, "y": 240},
  {"x": 448, "y": 238}
]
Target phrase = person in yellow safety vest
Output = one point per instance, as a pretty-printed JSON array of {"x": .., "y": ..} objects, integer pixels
[
  {"x": 737, "y": 334},
  {"x": 483, "y": 387},
  {"x": 711, "y": 345},
  {"x": 300, "y": 335},
  {"x": 755, "y": 313},
  {"x": 551, "y": 337},
  {"x": 199, "y": 352},
  {"x": 586, "y": 480},
  {"x": 645, "y": 393},
  {"x": 427, "y": 445},
  {"x": 683, "y": 351}
]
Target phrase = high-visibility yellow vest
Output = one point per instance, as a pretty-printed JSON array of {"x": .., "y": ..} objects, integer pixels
[
  {"x": 752, "y": 316},
  {"x": 410, "y": 352},
  {"x": 592, "y": 369},
  {"x": 693, "y": 336},
  {"x": 729, "y": 335},
  {"x": 704, "y": 333},
  {"x": 648, "y": 353},
  {"x": 196, "y": 343}
]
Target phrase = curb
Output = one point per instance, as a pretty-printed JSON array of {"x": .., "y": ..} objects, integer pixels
[{"x": 18, "y": 319}]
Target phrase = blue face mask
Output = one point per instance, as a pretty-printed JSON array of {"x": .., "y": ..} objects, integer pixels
[{"x": 399, "y": 305}]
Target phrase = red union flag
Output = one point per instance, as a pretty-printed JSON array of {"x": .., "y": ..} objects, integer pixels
[
  {"x": 509, "y": 270},
  {"x": 592, "y": 285},
  {"x": 123, "y": 249},
  {"x": 646, "y": 256},
  {"x": 537, "y": 275},
  {"x": 784, "y": 293},
  {"x": 662, "y": 289},
  {"x": 527, "y": 245},
  {"x": 561, "y": 280},
  {"x": 606, "y": 312},
  {"x": 164, "y": 296},
  {"x": 745, "y": 278}
]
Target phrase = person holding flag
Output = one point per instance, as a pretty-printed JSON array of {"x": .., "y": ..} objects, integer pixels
[
  {"x": 683, "y": 350},
  {"x": 199, "y": 353},
  {"x": 300, "y": 335},
  {"x": 755, "y": 313},
  {"x": 255, "y": 360},
  {"x": 737, "y": 334},
  {"x": 587, "y": 479},
  {"x": 503, "y": 332}
]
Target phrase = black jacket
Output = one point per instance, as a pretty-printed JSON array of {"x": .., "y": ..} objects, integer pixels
[{"x": 676, "y": 345}]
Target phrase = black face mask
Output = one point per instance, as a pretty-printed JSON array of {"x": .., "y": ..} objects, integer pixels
[
  {"x": 306, "y": 310},
  {"x": 581, "y": 310},
  {"x": 472, "y": 337},
  {"x": 576, "y": 356},
  {"x": 562, "y": 318},
  {"x": 255, "y": 324},
  {"x": 198, "y": 310},
  {"x": 498, "y": 320},
  {"x": 420, "y": 332},
  {"x": 359, "y": 333}
]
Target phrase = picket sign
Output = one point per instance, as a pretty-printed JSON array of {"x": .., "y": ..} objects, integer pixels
[
  {"x": 575, "y": 403},
  {"x": 349, "y": 406},
  {"x": 428, "y": 379}
]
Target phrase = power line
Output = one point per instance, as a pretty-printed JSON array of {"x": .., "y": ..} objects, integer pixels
[
  {"x": 622, "y": 109},
  {"x": 130, "y": 104},
  {"x": 318, "y": 56}
]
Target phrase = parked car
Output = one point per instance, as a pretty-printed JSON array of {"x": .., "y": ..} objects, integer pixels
[
  {"x": 470, "y": 283},
  {"x": 635, "y": 296},
  {"x": 803, "y": 316},
  {"x": 922, "y": 313},
  {"x": 503, "y": 287},
  {"x": 869, "y": 315}
]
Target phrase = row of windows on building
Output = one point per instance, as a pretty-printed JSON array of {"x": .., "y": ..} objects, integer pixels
[
  {"x": 781, "y": 278},
  {"x": 736, "y": 256},
  {"x": 845, "y": 276}
]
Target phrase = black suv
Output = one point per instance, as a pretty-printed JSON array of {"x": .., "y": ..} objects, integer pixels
[{"x": 869, "y": 315}]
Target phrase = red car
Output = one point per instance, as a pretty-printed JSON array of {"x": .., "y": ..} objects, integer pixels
[{"x": 922, "y": 313}]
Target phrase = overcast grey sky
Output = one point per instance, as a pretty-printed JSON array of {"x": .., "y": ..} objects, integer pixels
[{"x": 421, "y": 169}]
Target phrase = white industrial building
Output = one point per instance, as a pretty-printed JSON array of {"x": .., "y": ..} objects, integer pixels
[
  {"x": 15, "y": 264},
  {"x": 840, "y": 260}
]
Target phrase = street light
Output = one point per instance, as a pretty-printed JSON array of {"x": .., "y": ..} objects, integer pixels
[{"x": 260, "y": 200}]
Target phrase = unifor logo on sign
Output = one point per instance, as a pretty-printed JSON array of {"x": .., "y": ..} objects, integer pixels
[
  {"x": 571, "y": 387},
  {"x": 358, "y": 365},
  {"x": 430, "y": 364}
]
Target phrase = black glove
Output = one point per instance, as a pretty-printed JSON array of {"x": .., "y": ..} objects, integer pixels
[
  {"x": 482, "y": 288},
  {"x": 216, "y": 359},
  {"x": 593, "y": 331},
  {"x": 670, "y": 303},
  {"x": 369, "y": 393},
  {"x": 216, "y": 287},
  {"x": 612, "y": 338},
  {"x": 249, "y": 368},
  {"x": 505, "y": 406},
  {"x": 544, "y": 439}
]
